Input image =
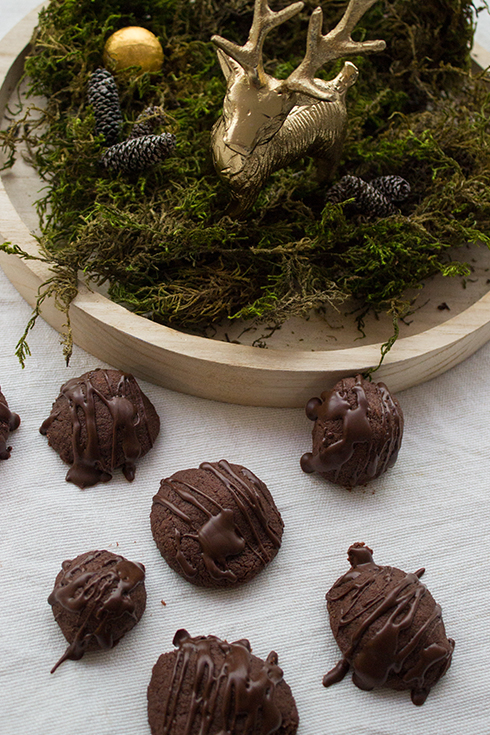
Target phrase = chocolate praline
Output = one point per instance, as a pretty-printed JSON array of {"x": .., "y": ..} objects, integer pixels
[
  {"x": 216, "y": 525},
  {"x": 9, "y": 421},
  {"x": 388, "y": 627},
  {"x": 357, "y": 432},
  {"x": 214, "y": 687},
  {"x": 97, "y": 598},
  {"x": 100, "y": 421}
]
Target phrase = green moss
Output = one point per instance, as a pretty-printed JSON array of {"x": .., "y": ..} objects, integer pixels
[{"x": 161, "y": 240}]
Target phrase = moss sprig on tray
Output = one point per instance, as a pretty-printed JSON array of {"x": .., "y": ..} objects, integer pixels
[{"x": 161, "y": 241}]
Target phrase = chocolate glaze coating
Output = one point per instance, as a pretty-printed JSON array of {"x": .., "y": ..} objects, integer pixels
[
  {"x": 9, "y": 421},
  {"x": 357, "y": 432},
  {"x": 388, "y": 627},
  {"x": 100, "y": 421},
  {"x": 217, "y": 526},
  {"x": 97, "y": 598},
  {"x": 214, "y": 687}
]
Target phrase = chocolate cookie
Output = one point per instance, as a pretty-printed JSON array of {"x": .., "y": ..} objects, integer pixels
[
  {"x": 100, "y": 421},
  {"x": 97, "y": 598},
  {"x": 217, "y": 525},
  {"x": 9, "y": 421},
  {"x": 357, "y": 433},
  {"x": 214, "y": 687},
  {"x": 388, "y": 627}
]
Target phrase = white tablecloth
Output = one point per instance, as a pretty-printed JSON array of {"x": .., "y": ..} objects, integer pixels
[{"x": 432, "y": 510}]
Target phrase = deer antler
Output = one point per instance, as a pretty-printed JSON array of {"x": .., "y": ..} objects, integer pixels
[
  {"x": 334, "y": 45},
  {"x": 249, "y": 56}
]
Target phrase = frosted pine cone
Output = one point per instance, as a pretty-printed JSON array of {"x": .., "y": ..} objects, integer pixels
[
  {"x": 147, "y": 122},
  {"x": 348, "y": 187},
  {"x": 137, "y": 154},
  {"x": 104, "y": 98},
  {"x": 369, "y": 200},
  {"x": 395, "y": 188}
]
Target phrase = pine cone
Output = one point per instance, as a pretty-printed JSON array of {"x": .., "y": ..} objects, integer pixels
[
  {"x": 347, "y": 188},
  {"x": 369, "y": 200},
  {"x": 393, "y": 187},
  {"x": 147, "y": 121},
  {"x": 136, "y": 154},
  {"x": 104, "y": 98}
]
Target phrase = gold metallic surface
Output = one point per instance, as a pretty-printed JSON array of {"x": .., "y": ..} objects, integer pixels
[
  {"x": 133, "y": 46},
  {"x": 268, "y": 123}
]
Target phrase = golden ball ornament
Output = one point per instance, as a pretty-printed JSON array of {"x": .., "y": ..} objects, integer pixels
[{"x": 133, "y": 46}]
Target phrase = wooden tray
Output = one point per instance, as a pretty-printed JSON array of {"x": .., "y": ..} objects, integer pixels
[{"x": 285, "y": 374}]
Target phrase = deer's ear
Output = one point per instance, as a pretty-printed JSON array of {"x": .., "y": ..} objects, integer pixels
[{"x": 229, "y": 66}]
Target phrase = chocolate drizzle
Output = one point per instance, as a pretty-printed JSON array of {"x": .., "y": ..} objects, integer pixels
[
  {"x": 225, "y": 693},
  {"x": 9, "y": 421},
  {"x": 97, "y": 597},
  {"x": 406, "y": 645},
  {"x": 357, "y": 429},
  {"x": 220, "y": 536},
  {"x": 89, "y": 466}
]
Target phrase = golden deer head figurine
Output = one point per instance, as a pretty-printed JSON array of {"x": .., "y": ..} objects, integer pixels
[{"x": 268, "y": 123}]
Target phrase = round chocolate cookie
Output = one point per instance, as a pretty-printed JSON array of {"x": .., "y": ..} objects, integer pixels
[
  {"x": 212, "y": 686},
  {"x": 217, "y": 525},
  {"x": 97, "y": 598},
  {"x": 388, "y": 627},
  {"x": 100, "y": 421},
  {"x": 9, "y": 421},
  {"x": 357, "y": 432}
]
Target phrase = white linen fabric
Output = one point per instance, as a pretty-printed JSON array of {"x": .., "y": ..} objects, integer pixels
[{"x": 432, "y": 509}]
